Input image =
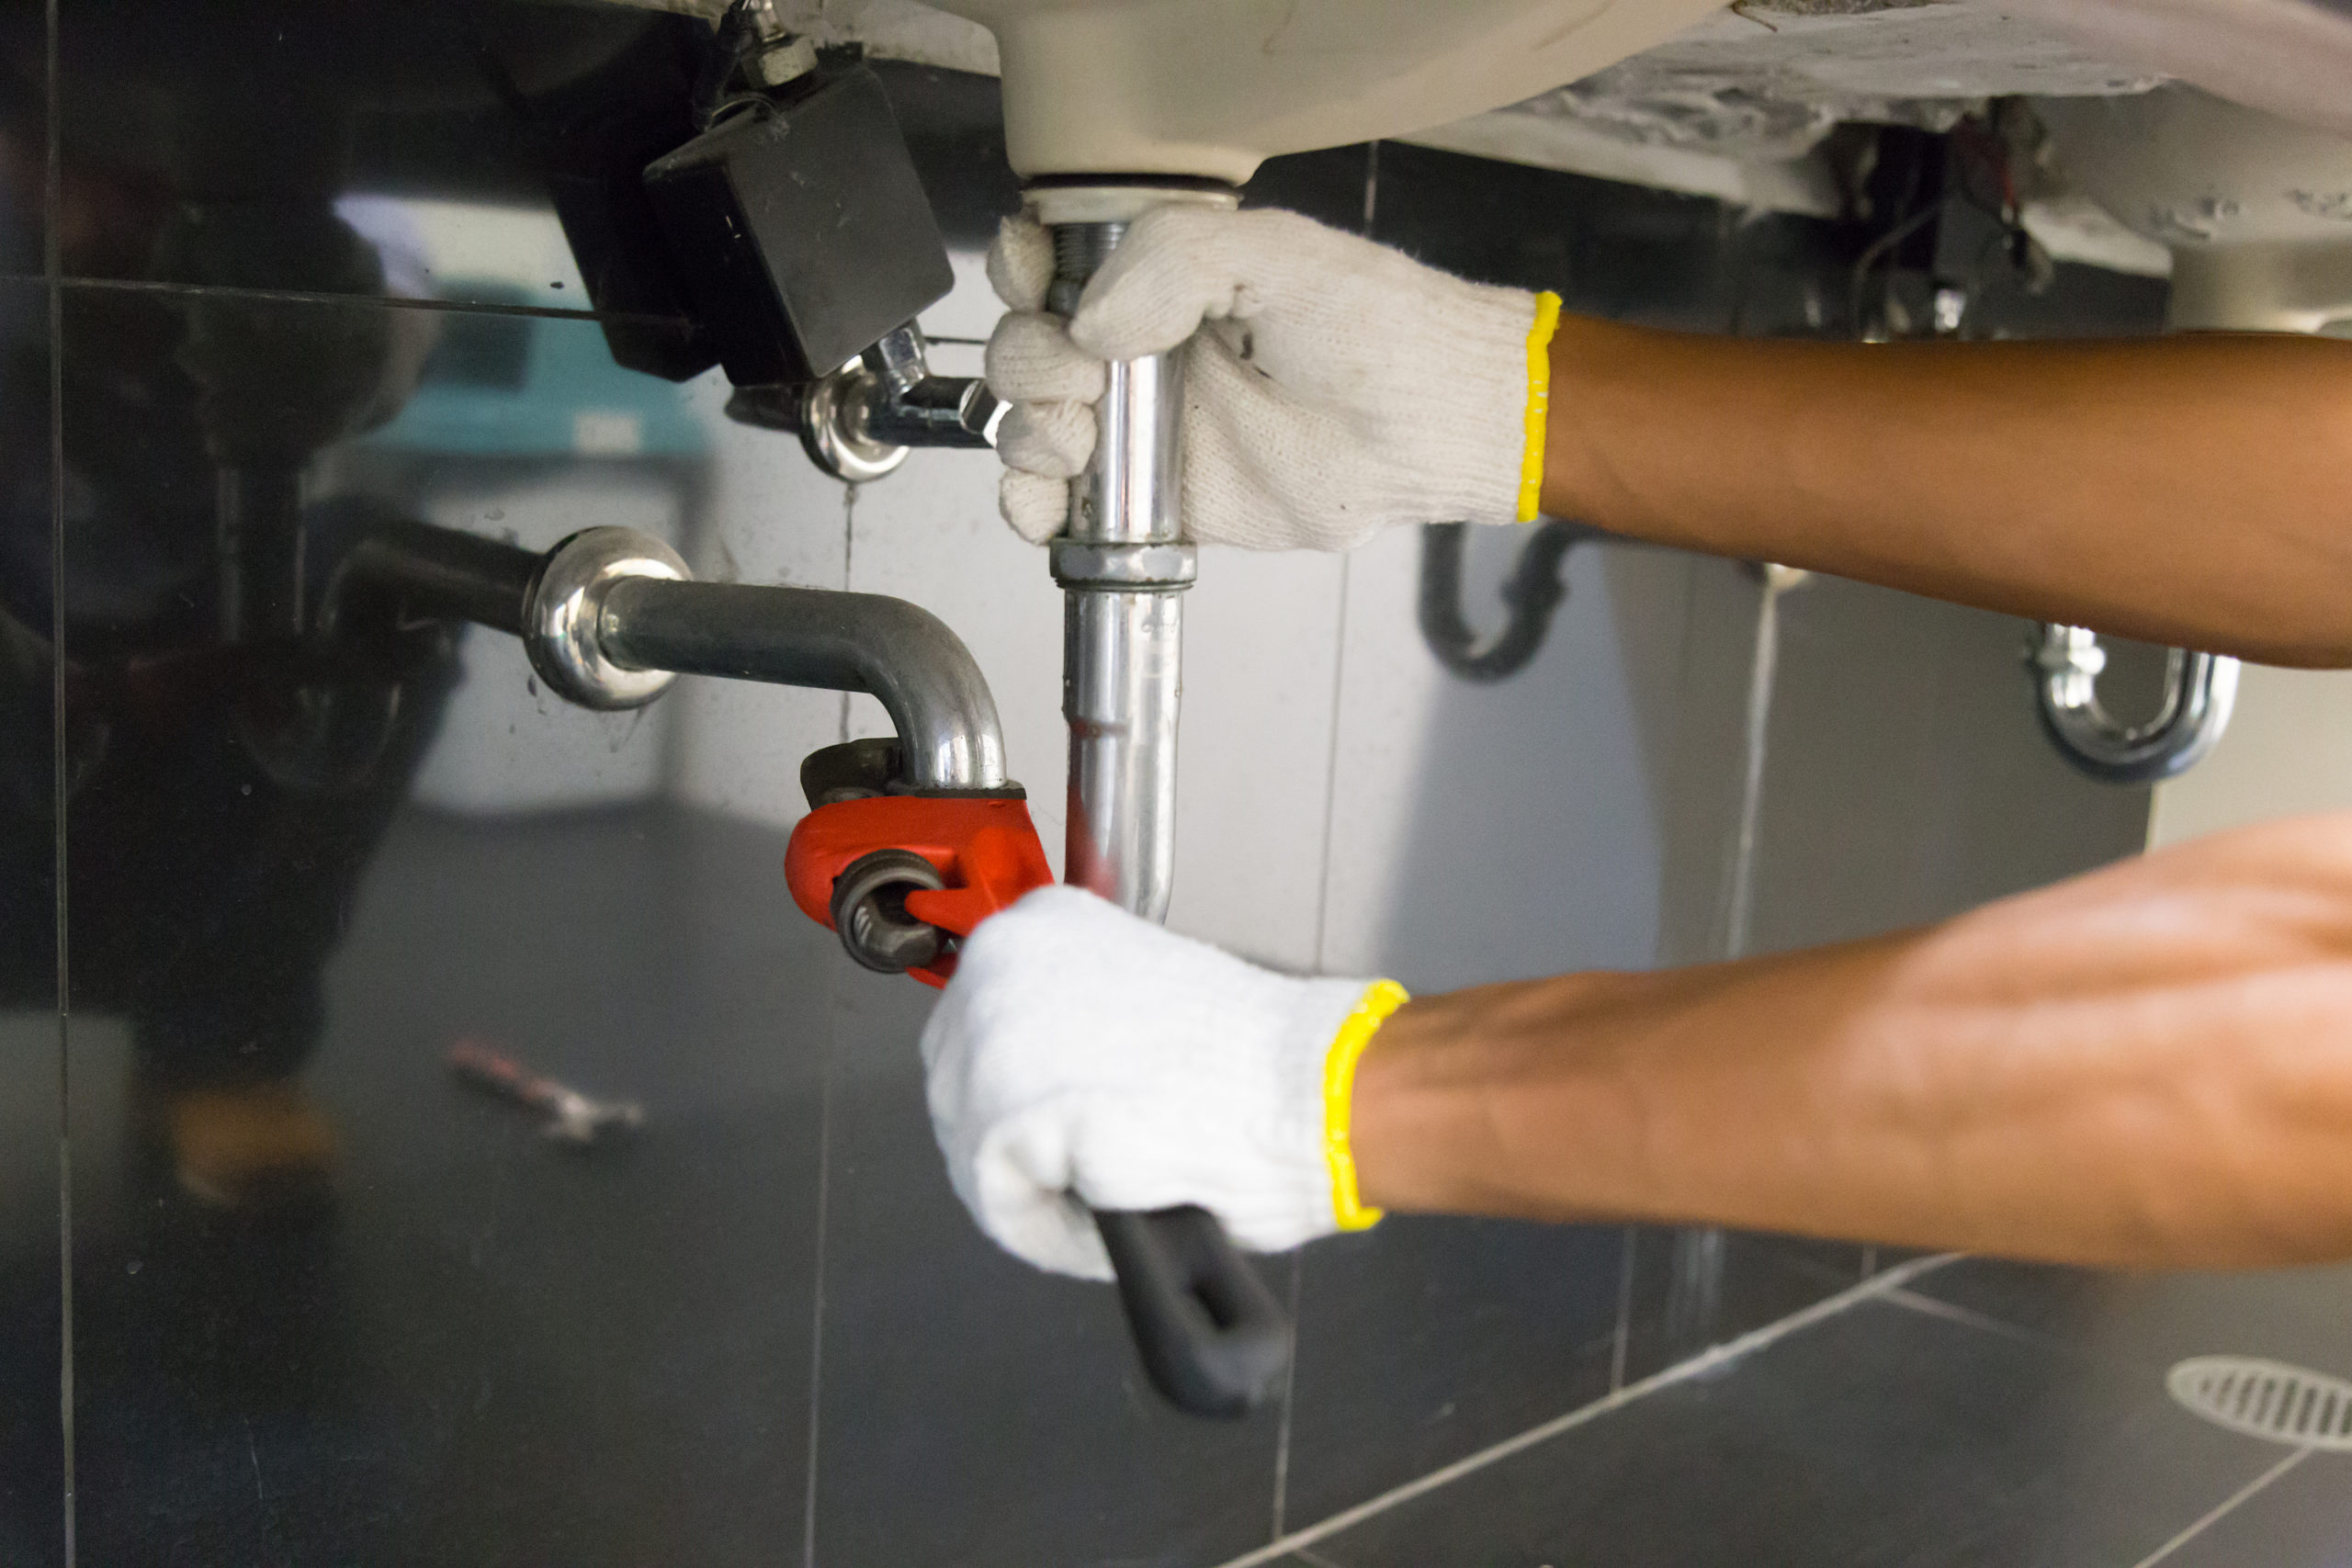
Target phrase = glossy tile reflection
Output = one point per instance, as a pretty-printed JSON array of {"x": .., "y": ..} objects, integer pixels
[
  {"x": 275, "y": 148},
  {"x": 484, "y": 1345},
  {"x": 328, "y": 1298}
]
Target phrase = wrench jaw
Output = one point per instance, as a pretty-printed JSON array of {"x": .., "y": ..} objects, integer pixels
[{"x": 964, "y": 858}]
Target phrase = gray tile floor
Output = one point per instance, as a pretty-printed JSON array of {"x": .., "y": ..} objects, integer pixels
[
  {"x": 766, "y": 1332},
  {"x": 1888, "y": 1426}
]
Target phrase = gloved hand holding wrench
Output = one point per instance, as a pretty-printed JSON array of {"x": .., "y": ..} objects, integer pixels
[{"x": 1081, "y": 1054}]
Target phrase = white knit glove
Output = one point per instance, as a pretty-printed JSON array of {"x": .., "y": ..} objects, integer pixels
[
  {"x": 1082, "y": 1058},
  {"x": 1332, "y": 387}
]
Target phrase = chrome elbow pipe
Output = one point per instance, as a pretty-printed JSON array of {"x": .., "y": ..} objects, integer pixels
[
  {"x": 901, "y": 653},
  {"x": 611, "y": 616},
  {"x": 2199, "y": 690}
]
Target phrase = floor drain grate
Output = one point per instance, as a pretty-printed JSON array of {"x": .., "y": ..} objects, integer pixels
[{"x": 2267, "y": 1399}]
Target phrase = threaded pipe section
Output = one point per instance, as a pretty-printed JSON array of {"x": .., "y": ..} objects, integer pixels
[{"x": 1080, "y": 251}]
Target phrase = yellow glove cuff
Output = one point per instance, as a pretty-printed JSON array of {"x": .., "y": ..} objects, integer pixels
[
  {"x": 1381, "y": 999},
  {"x": 1539, "y": 403}
]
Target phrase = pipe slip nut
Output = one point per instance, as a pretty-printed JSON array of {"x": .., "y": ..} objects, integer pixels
[
  {"x": 1087, "y": 563},
  {"x": 562, "y": 616}
]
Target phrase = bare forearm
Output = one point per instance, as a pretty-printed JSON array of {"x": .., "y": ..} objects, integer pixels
[
  {"x": 2150, "y": 1066},
  {"x": 2195, "y": 490}
]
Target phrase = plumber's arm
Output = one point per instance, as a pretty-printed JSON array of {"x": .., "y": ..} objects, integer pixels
[
  {"x": 2194, "y": 490},
  {"x": 2149, "y": 1065}
]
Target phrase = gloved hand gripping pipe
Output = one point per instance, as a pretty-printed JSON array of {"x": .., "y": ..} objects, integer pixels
[{"x": 1211, "y": 1335}]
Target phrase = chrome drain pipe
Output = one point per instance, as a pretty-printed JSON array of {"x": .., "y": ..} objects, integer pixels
[
  {"x": 1211, "y": 1335},
  {"x": 1123, "y": 568}
]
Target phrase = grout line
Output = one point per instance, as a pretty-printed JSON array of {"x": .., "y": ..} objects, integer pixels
[
  {"x": 52, "y": 269},
  {"x": 390, "y": 301},
  {"x": 1984, "y": 1324},
  {"x": 1796, "y": 1262},
  {"x": 1675, "y": 942},
  {"x": 849, "y": 558},
  {"x": 2224, "y": 1506},
  {"x": 1699, "y": 1365},
  {"x": 825, "y": 1148},
  {"x": 2051, "y": 1344},
  {"x": 1622, "y": 1349},
  {"x": 1332, "y": 768},
  {"x": 817, "y": 1288},
  {"x": 1736, "y": 916},
  {"x": 1289, "y": 1389},
  {"x": 1317, "y": 1558}
]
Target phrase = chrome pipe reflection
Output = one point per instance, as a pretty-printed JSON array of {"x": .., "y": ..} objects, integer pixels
[
  {"x": 2199, "y": 691},
  {"x": 258, "y": 513},
  {"x": 414, "y": 571}
]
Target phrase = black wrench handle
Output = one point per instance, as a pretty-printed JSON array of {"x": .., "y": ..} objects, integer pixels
[{"x": 1212, "y": 1335}]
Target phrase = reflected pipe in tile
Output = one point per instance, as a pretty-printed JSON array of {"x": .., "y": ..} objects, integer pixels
[
  {"x": 420, "y": 571},
  {"x": 258, "y": 513},
  {"x": 609, "y": 607}
]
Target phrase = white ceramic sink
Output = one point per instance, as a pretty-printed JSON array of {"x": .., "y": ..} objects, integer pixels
[
  {"x": 1208, "y": 87},
  {"x": 2256, "y": 210}
]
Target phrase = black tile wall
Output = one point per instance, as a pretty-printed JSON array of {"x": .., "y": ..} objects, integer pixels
[
  {"x": 235, "y": 147},
  {"x": 24, "y": 141},
  {"x": 1953, "y": 739},
  {"x": 1630, "y": 253},
  {"x": 1330, "y": 187},
  {"x": 32, "y": 1517}
]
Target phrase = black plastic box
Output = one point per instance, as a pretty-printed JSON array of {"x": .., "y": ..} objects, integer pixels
[{"x": 800, "y": 230}]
